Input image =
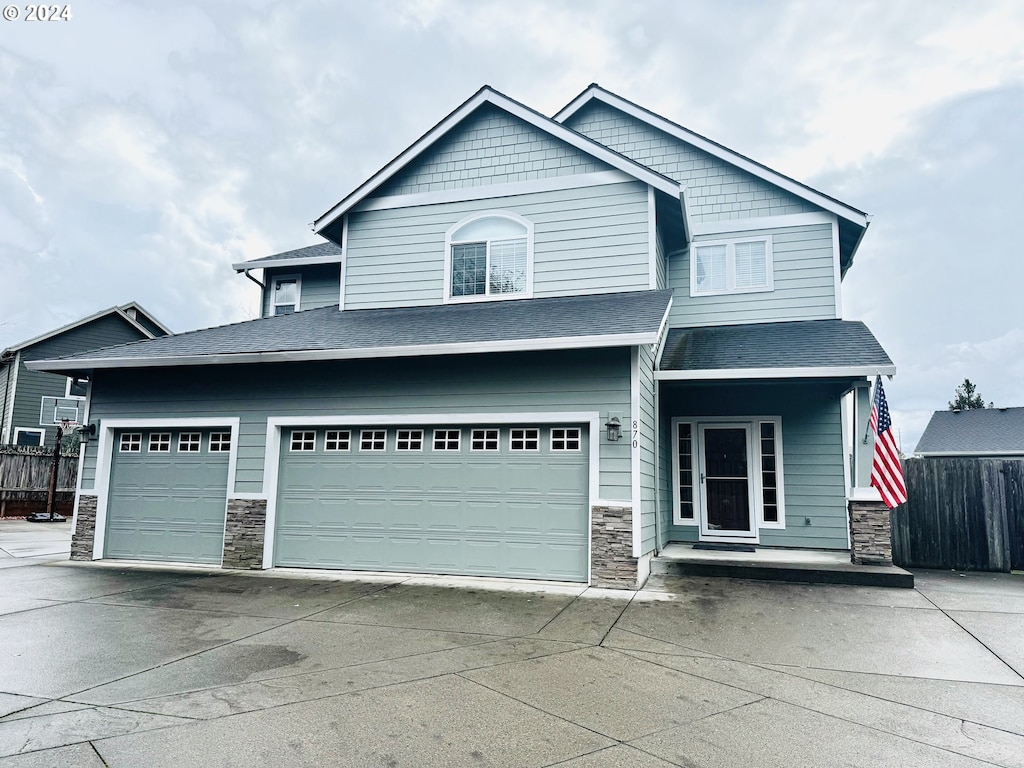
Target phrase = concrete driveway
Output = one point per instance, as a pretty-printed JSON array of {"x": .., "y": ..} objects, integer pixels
[{"x": 132, "y": 666}]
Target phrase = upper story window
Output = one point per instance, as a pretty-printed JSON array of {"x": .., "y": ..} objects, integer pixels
[
  {"x": 731, "y": 266},
  {"x": 489, "y": 256},
  {"x": 284, "y": 294},
  {"x": 76, "y": 387}
]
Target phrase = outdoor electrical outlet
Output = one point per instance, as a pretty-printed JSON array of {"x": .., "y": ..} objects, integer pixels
[{"x": 807, "y": 521}]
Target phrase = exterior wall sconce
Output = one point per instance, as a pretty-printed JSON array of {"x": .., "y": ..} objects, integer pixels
[
  {"x": 85, "y": 432},
  {"x": 614, "y": 429}
]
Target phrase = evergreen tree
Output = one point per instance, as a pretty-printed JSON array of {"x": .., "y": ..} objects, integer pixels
[{"x": 967, "y": 397}]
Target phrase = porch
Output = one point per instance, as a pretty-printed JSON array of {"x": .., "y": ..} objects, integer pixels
[{"x": 777, "y": 564}]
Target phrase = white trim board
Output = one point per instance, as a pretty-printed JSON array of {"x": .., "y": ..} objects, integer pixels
[
  {"x": 105, "y": 451},
  {"x": 776, "y": 373},
  {"x": 726, "y": 226},
  {"x": 276, "y": 424},
  {"x": 489, "y": 191},
  {"x": 488, "y": 95},
  {"x": 414, "y": 350},
  {"x": 837, "y": 279},
  {"x": 115, "y": 311},
  {"x": 597, "y": 93},
  {"x": 633, "y": 439}
]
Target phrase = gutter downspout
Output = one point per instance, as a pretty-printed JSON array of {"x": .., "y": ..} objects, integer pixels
[{"x": 263, "y": 289}]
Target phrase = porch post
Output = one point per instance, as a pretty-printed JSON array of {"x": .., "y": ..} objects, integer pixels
[{"x": 870, "y": 526}]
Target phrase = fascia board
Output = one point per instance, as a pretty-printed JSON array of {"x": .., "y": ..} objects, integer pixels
[
  {"x": 489, "y": 96},
  {"x": 714, "y": 149},
  {"x": 300, "y": 261},
  {"x": 149, "y": 315},
  {"x": 68, "y": 327},
  {"x": 810, "y": 372},
  {"x": 972, "y": 454},
  {"x": 422, "y": 350}
]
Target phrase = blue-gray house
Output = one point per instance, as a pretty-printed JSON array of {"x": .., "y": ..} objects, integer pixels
[{"x": 527, "y": 347}]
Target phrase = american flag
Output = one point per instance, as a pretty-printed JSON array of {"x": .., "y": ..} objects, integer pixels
[{"x": 886, "y": 472}]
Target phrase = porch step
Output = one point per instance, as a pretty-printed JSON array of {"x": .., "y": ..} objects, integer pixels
[{"x": 778, "y": 565}]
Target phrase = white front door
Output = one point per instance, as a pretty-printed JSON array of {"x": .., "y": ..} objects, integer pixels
[{"x": 725, "y": 482}]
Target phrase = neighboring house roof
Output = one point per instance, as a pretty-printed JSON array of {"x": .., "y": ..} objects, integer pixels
[
  {"x": 974, "y": 432},
  {"x": 573, "y": 322},
  {"x": 321, "y": 253},
  {"x": 121, "y": 311},
  {"x": 857, "y": 217},
  {"x": 488, "y": 95},
  {"x": 794, "y": 349}
]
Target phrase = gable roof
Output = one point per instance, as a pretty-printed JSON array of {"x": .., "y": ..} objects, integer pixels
[
  {"x": 793, "y": 349},
  {"x": 488, "y": 95},
  {"x": 321, "y": 253},
  {"x": 974, "y": 432},
  {"x": 569, "y": 322},
  {"x": 121, "y": 311},
  {"x": 859, "y": 219}
]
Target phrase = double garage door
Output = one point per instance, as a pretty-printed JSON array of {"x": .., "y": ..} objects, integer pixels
[
  {"x": 168, "y": 494},
  {"x": 494, "y": 500}
]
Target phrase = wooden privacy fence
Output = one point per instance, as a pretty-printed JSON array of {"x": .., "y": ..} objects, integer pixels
[
  {"x": 25, "y": 480},
  {"x": 961, "y": 513}
]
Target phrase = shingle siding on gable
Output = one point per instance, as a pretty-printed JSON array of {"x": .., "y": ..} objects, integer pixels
[
  {"x": 716, "y": 191},
  {"x": 490, "y": 148},
  {"x": 586, "y": 240}
]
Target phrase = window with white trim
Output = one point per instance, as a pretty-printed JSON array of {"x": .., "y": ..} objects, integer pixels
[
  {"x": 220, "y": 442},
  {"x": 731, "y": 266},
  {"x": 131, "y": 442},
  {"x": 372, "y": 439},
  {"x": 409, "y": 440},
  {"x": 489, "y": 256},
  {"x": 29, "y": 437},
  {"x": 76, "y": 387},
  {"x": 189, "y": 442},
  {"x": 159, "y": 442},
  {"x": 303, "y": 440},
  {"x": 483, "y": 440},
  {"x": 338, "y": 440},
  {"x": 565, "y": 438},
  {"x": 284, "y": 294},
  {"x": 447, "y": 439},
  {"x": 684, "y": 478},
  {"x": 526, "y": 439}
]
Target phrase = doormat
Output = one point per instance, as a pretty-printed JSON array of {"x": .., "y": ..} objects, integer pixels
[{"x": 724, "y": 547}]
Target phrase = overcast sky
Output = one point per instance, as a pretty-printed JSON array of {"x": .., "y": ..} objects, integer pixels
[{"x": 146, "y": 146}]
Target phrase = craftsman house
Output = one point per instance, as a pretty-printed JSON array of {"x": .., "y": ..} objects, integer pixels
[
  {"x": 527, "y": 347},
  {"x": 33, "y": 403}
]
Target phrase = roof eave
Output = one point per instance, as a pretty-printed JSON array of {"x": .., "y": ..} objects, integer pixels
[
  {"x": 268, "y": 263},
  {"x": 970, "y": 454},
  {"x": 596, "y": 92},
  {"x": 488, "y": 95},
  {"x": 806, "y": 372},
  {"x": 414, "y": 350}
]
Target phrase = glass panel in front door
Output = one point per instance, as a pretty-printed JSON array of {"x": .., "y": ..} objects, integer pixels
[{"x": 726, "y": 481}]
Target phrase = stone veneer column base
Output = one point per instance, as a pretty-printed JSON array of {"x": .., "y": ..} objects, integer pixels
[
  {"x": 85, "y": 529},
  {"x": 244, "y": 532},
  {"x": 870, "y": 533},
  {"x": 611, "y": 548}
]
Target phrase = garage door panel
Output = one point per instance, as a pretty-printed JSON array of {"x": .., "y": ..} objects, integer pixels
[
  {"x": 167, "y": 505},
  {"x": 505, "y": 513}
]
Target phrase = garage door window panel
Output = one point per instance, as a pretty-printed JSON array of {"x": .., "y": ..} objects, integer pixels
[
  {"x": 303, "y": 440},
  {"x": 189, "y": 442},
  {"x": 220, "y": 442},
  {"x": 160, "y": 442},
  {"x": 131, "y": 442},
  {"x": 484, "y": 440},
  {"x": 373, "y": 440},
  {"x": 338, "y": 440},
  {"x": 447, "y": 439},
  {"x": 565, "y": 439},
  {"x": 409, "y": 440}
]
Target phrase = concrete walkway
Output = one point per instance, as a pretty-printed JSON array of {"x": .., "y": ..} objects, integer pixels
[{"x": 131, "y": 666}]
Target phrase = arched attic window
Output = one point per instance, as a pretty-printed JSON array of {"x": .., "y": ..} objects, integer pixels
[{"x": 489, "y": 256}]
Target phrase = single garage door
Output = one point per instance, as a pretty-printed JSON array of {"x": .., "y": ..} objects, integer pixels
[
  {"x": 168, "y": 494},
  {"x": 481, "y": 500}
]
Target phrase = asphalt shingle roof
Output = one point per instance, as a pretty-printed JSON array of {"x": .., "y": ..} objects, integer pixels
[
  {"x": 328, "y": 329},
  {"x": 977, "y": 430},
  {"x": 797, "y": 344},
  {"x": 311, "y": 251}
]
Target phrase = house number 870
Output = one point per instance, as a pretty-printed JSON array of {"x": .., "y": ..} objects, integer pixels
[{"x": 636, "y": 433}]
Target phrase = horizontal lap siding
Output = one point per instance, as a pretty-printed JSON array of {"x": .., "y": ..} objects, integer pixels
[
  {"x": 321, "y": 285},
  {"x": 715, "y": 190},
  {"x": 587, "y": 240},
  {"x": 106, "y": 331},
  {"x": 812, "y": 447},
  {"x": 804, "y": 280},
  {"x": 507, "y": 383},
  {"x": 648, "y": 419}
]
